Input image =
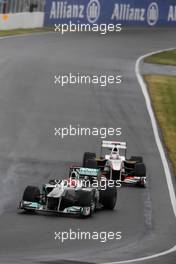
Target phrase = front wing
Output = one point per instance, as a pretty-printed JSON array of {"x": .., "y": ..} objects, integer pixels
[
  {"x": 37, "y": 207},
  {"x": 133, "y": 180}
]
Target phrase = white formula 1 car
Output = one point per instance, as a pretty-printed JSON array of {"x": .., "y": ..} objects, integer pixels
[{"x": 116, "y": 166}]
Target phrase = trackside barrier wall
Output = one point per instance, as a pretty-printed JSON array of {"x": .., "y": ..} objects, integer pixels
[
  {"x": 21, "y": 20},
  {"x": 127, "y": 12},
  {"x": 16, "y": 14}
]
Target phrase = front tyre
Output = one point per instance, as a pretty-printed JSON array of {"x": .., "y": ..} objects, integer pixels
[
  {"x": 89, "y": 205},
  {"x": 31, "y": 194},
  {"x": 108, "y": 197}
]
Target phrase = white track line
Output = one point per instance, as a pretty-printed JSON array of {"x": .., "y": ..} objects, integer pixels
[
  {"x": 162, "y": 154},
  {"x": 26, "y": 35},
  {"x": 163, "y": 253},
  {"x": 155, "y": 129}
]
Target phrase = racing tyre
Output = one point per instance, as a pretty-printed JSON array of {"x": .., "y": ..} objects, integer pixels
[
  {"x": 108, "y": 197},
  {"x": 31, "y": 194},
  {"x": 140, "y": 169},
  {"x": 87, "y": 156},
  {"x": 90, "y": 163},
  {"x": 86, "y": 199},
  {"x": 137, "y": 159}
]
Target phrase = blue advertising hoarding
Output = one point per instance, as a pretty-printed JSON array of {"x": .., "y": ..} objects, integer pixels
[{"x": 127, "y": 12}]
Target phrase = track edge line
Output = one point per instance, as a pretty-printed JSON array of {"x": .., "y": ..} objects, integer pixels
[{"x": 161, "y": 151}]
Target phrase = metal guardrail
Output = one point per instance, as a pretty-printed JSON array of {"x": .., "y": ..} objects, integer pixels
[{"x": 19, "y": 6}]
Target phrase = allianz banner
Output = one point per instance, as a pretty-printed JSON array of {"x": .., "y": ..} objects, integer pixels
[{"x": 127, "y": 12}]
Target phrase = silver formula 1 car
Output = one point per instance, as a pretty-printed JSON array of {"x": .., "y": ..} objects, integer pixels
[{"x": 81, "y": 194}]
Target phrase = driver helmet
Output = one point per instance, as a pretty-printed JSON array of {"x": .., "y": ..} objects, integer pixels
[
  {"x": 115, "y": 154},
  {"x": 73, "y": 175}
]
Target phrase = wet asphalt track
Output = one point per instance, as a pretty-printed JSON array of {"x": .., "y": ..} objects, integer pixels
[{"x": 31, "y": 107}]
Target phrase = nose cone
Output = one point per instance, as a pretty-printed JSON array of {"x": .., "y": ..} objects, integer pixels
[{"x": 116, "y": 164}]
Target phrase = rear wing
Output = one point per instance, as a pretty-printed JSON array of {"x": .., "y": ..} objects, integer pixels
[{"x": 113, "y": 144}]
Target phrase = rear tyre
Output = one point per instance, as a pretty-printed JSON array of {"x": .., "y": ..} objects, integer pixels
[
  {"x": 137, "y": 159},
  {"x": 87, "y": 156},
  {"x": 31, "y": 194},
  {"x": 90, "y": 163},
  {"x": 140, "y": 169},
  {"x": 108, "y": 197}
]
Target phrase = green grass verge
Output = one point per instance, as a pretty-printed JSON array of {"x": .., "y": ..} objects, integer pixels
[
  {"x": 166, "y": 58},
  {"x": 162, "y": 91},
  {"x": 4, "y": 33}
]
